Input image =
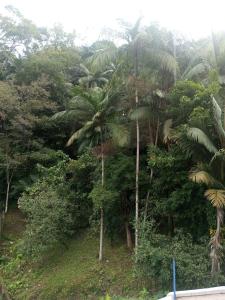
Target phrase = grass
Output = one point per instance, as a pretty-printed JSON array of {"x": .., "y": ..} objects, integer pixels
[{"x": 69, "y": 273}]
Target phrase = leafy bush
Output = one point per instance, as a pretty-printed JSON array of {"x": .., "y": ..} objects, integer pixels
[
  {"x": 155, "y": 256},
  {"x": 49, "y": 213}
]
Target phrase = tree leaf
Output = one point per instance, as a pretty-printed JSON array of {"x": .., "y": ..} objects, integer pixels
[
  {"x": 217, "y": 113},
  {"x": 167, "y": 130},
  {"x": 202, "y": 177},
  {"x": 216, "y": 197},
  {"x": 200, "y": 137},
  {"x": 79, "y": 133}
]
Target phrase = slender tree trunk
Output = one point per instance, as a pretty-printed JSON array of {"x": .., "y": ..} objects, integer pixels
[
  {"x": 101, "y": 234},
  {"x": 215, "y": 242},
  {"x": 7, "y": 197},
  {"x": 174, "y": 55},
  {"x": 101, "y": 209},
  {"x": 2, "y": 218},
  {"x": 150, "y": 133},
  {"x": 224, "y": 116},
  {"x": 128, "y": 234},
  {"x": 152, "y": 172},
  {"x": 157, "y": 132},
  {"x": 137, "y": 156},
  {"x": 137, "y": 177},
  {"x": 8, "y": 181},
  {"x": 216, "y": 247}
]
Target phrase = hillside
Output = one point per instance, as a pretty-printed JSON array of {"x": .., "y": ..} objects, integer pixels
[{"x": 68, "y": 273}]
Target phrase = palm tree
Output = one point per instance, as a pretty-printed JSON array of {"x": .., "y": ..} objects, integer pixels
[
  {"x": 212, "y": 176},
  {"x": 92, "y": 79},
  {"x": 95, "y": 109},
  {"x": 205, "y": 56},
  {"x": 143, "y": 50},
  {"x": 152, "y": 65}
]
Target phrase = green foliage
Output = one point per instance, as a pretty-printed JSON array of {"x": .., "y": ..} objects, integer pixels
[
  {"x": 49, "y": 212},
  {"x": 155, "y": 256},
  {"x": 84, "y": 167},
  {"x": 159, "y": 159},
  {"x": 101, "y": 196},
  {"x": 51, "y": 90}
]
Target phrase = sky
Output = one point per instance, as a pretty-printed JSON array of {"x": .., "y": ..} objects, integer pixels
[{"x": 192, "y": 18}]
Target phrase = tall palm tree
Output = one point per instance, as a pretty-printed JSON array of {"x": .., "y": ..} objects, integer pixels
[
  {"x": 152, "y": 63},
  {"x": 213, "y": 177},
  {"x": 95, "y": 109},
  {"x": 144, "y": 49},
  {"x": 205, "y": 56}
]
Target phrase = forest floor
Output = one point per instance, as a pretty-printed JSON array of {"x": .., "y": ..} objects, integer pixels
[{"x": 67, "y": 273}]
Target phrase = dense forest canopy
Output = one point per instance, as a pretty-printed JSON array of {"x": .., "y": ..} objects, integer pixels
[{"x": 127, "y": 141}]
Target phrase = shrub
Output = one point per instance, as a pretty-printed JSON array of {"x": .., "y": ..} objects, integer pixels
[
  {"x": 155, "y": 256},
  {"x": 49, "y": 213}
]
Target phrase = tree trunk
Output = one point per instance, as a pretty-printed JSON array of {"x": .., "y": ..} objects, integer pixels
[
  {"x": 174, "y": 55},
  {"x": 8, "y": 185},
  {"x": 101, "y": 234},
  {"x": 101, "y": 209},
  {"x": 137, "y": 154},
  {"x": 157, "y": 132},
  {"x": 8, "y": 182},
  {"x": 137, "y": 178},
  {"x": 128, "y": 234},
  {"x": 150, "y": 133},
  {"x": 7, "y": 197},
  {"x": 216, "y": 247},
  {"x": 2, "y": 218}
]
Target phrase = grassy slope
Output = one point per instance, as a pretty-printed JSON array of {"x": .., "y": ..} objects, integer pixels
[{"x": 72, "y": 273}]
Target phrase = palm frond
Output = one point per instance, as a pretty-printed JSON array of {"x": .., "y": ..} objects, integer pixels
[
  {"x": 80, "y": 133},
  {"x": 217, "y": 113},
  {"x": 81, "y": 102},
  {"x": 102, "y": 57},
  {"x": 196, "y": 70},
  {"x": 202, "y": 177},
  {"x": 59, "y": 115},
  {"x": 86, "y": 79},
  {"x": 167, "y": 130},
  {"x": 84, "y": 69},
  {"x": 168, "y": 61},
  {"x": 200, "y": 137},
  {"x": 216, "y": 197}
]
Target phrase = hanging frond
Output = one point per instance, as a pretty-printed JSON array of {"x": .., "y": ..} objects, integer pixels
[
  {"x": 217, "y": 113},
  {"x": 84, "y": 69},
  {"x": 59, "y": 115},
  {"x": 167, "y": 126},
  {"x": 216, "y": 197},
  {"x": 196, "y": 70},
  {"x": 202, "y": 177},
  {"x": 200, "y": 137},
  {"x": 86, "y": 79},
  {"x": 82, "y": 102},
  {"x": 103, "y": 56},
  {"x": 219, "y": 154},
  {"x": 80, "y": 133},
  {"x": 168, "y": 61}
]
